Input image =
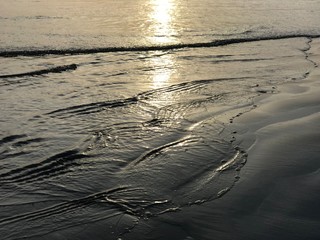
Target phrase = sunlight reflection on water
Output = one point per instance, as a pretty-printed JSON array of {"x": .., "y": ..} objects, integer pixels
[
  {"x": 161, "y": 16},
  {"x": 162, "y": 31},
  {"x": 163, "y": 70}
]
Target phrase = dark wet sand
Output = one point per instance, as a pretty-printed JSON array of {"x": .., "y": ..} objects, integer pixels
[{"x": 277, "y": 196}]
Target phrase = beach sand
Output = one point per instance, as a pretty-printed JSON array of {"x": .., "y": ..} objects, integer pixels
[
  {"x": 277, "y": 195},
  {"x": 160, "y": 120}
]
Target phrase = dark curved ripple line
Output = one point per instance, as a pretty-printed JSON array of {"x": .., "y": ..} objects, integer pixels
[
  {"x": 62, "y": 207},
  {"x": 58, "y": 69},
  {"x": 49, "y": 167},
  {"x": 157, "y": 151},
  {"x": 215, "y": 43},
  {"x": 95, "y": 107},
  {"x": 99, "y": 106},
  {"x": 115, "y": 197},
  {"x": 11, "y": 138}
]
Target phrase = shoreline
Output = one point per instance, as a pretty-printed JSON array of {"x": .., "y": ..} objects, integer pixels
[{"x": 277, "y": 194}]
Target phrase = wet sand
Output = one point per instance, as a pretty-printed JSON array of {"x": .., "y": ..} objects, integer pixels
[
  {"x": 277, "y": 196},
  {"x": 128, "y": 120}
]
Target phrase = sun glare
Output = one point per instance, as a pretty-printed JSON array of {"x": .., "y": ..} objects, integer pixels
[
  {"x": 164, "y": 66},
  {"x": 161, "y": 17},
  {"x": 162, "y": 31}
]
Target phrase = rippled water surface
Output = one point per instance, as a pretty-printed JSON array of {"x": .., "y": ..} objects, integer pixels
[
  {"x": 117, "y": 112},
  {"x": 87, "y": 24}
]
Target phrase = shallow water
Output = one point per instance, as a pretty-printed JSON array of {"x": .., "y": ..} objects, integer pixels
[{"x": 116, "y": 112}]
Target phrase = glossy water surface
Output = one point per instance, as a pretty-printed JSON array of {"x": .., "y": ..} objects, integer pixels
[{"x": 114, "y": 113}]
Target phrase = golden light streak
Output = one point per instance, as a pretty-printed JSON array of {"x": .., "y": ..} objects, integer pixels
[
  {"x": 162, "y": 17},
  {"x": 162, "y": 31},
  {"x": 163, "y": 70}
]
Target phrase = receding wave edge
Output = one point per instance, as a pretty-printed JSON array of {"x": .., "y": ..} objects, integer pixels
[{"x": 216, "y": 43}]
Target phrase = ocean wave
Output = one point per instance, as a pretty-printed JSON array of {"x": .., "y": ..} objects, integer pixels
[{"x": 215, "y": 43}]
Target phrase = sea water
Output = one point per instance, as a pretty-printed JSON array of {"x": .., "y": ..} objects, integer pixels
[{"x": 116, "y": 113}]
